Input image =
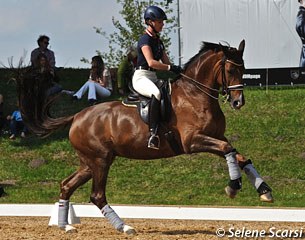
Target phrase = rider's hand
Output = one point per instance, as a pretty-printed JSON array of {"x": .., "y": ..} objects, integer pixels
[{"x": 175, "y": 69}]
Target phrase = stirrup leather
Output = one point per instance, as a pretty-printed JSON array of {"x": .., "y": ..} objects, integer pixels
[{"x": 154, "y": 142}]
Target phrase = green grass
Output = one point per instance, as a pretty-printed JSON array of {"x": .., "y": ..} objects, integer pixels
[{"x": 269, "y": 130}]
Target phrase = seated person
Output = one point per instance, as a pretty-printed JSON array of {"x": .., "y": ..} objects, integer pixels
[
  {"x": 98, "y": 84},
  {"x": 42, "y": 66},
  {"x": 16, "y": 124}
]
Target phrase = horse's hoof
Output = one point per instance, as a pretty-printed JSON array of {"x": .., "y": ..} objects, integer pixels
[
  {"x": 266, "y": 197},
  {"x": 129, "y": 230},
  {"x": 70, "y": 229},
  {"x": 231, "y": 192}
]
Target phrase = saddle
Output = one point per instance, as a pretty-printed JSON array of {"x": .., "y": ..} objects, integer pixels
[{"x": 142, "y": 103}]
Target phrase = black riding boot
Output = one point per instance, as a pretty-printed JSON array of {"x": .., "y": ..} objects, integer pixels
[{"x": 154, "y": 115}]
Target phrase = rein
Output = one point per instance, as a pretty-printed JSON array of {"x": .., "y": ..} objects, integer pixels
[
  {"x": 201, "y": 85},
  {"x": 227, "y": 89}
]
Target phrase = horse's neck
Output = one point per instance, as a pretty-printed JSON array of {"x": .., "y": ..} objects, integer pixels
[
  {"x": 205, "y": 72},
  {"x": 199, "y": 84}
]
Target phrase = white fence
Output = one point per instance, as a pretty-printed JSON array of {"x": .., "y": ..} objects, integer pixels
[{"x": 161, "y": 212}]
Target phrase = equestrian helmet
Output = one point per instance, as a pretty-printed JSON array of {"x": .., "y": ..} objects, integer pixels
[{"x": 154, "y": 13}]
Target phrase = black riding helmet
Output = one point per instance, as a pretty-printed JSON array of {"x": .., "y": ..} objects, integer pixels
[{"x": 154, "y": 13}]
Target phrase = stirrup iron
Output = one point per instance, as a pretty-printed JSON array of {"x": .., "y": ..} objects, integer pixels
[{"x": 154, "y": 142}]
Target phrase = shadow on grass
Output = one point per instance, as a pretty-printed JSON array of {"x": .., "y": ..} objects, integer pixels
[{"x": 34, "y": 142}]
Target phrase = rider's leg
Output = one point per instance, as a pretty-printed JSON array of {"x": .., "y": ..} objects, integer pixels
[
  {"x": 154, "y": 116},
  {"x": 143, "y": 83}
]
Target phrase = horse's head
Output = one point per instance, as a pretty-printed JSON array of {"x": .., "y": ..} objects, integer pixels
[
  {"x": 216, "y": 66},
  {"x": 232, "y": 66}
]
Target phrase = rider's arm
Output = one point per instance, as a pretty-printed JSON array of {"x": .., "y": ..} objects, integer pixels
[{"x": 152, "y": 62}]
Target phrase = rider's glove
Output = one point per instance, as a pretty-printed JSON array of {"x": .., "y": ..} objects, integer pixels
[{"x": 175, "y": 69}]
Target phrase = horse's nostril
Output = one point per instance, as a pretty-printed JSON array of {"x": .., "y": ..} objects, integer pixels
[{"x": 236, "y": 103}]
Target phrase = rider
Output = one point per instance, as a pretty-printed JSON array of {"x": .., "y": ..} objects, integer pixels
[{"x": 151, "y": 57}]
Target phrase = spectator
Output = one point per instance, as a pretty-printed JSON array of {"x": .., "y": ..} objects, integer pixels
[
  {"x": 99, "y": 82},
  {"x": 2, "y": 118},
  {"x": 42, "y": 66},
  {"x": 16, "y": 124},
  {"x": 300, "y": 28},
  {"x": 126, "y": 70},
  {"x": 43, "y": 42}
]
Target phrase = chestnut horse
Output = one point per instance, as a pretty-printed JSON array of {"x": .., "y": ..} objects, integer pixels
[{"x": 104, "y": 131}]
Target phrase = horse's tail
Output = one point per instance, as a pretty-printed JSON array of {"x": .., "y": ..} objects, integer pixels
[{"x": 35, "y": 104}]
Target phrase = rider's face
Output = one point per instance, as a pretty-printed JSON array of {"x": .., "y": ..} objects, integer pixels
[{"x": 158, "y": 25}]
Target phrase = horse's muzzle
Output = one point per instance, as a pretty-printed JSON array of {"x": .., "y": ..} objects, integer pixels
[{"x": 237, "y": 101}]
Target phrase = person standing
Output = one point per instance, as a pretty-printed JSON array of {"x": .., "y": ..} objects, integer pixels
[
  {"x": 43, "y": 43},
  {"x": 151, "y": 57},
  {"x": 126, "y": 70},
  {"x": 300, "y": 28}
]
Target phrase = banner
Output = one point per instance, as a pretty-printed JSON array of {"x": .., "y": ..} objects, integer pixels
[{"x": 268, "y": 27}]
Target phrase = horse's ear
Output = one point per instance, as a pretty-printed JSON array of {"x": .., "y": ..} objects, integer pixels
[{"x": 241, "y": 47}]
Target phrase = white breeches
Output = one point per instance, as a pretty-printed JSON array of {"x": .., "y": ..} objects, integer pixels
[
  {"x": 94, "y": 89},
  {"x": 143, "y": 83}
]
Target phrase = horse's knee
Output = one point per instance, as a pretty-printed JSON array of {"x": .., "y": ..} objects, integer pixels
[{"x": 99, "y": 201}]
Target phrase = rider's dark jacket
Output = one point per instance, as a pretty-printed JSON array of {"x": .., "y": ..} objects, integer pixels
[
  {"x": 156, "y": 46},
  {"x": 300, "y": 28}
]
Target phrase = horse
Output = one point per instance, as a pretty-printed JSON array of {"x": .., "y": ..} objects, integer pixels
[{"x": 102, "y": 132}]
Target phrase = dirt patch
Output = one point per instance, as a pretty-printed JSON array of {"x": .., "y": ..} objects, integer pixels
[{"x": 12, "y": 228}]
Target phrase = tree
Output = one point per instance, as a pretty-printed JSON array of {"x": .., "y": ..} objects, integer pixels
[{"x": 127, "y": 35}]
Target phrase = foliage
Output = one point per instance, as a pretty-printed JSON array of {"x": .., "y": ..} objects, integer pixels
[{"x": 127, "y": 34}]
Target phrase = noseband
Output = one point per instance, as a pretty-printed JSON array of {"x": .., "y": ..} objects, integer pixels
[{"x": 226, "y": 88}]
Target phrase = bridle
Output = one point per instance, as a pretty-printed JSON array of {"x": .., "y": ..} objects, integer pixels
[{"x": 226, "y": 88}]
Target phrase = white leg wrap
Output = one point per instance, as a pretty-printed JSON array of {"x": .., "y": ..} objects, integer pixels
[
  {"x": 253, "y": 175},
  {"x": 113, "y": 218},
  {"x": 63, "y": 210},
  {"x": 234, "y": 170}
]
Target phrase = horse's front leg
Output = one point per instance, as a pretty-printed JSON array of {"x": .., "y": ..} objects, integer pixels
[
  {"x": 203, "y": 143},
  {"x": 256, "y": 180}
]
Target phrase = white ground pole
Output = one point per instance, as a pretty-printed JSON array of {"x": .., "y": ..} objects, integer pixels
[{"x": 158, "y": 212}]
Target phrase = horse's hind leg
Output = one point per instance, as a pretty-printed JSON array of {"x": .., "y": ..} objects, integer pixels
[
  {"x": 256, "y": 180},
  {"x": 98, "y": 195},
  {"x": 68, "y": 186}
]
